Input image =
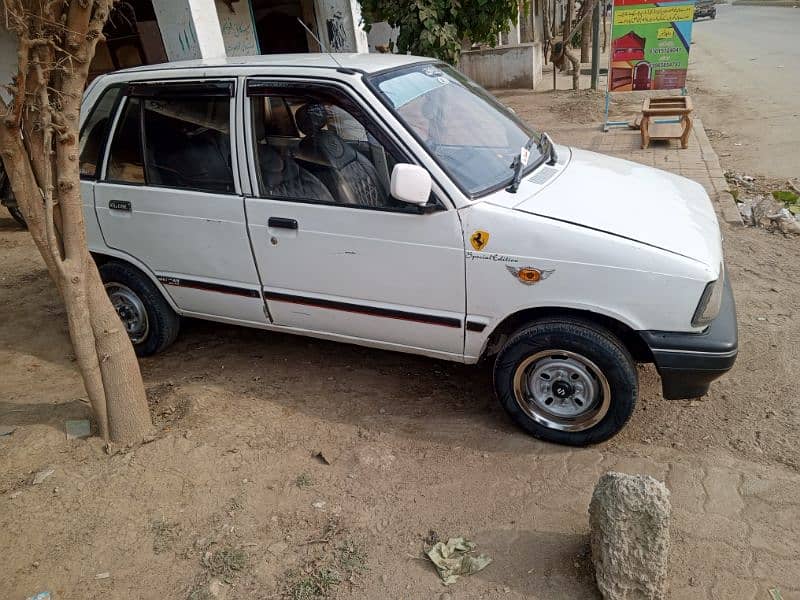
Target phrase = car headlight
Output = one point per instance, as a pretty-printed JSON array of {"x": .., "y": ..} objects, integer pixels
[{"x": 710, "y": 302}]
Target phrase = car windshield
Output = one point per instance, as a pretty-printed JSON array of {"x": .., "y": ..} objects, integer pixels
[{"x": 472, "y": 136}]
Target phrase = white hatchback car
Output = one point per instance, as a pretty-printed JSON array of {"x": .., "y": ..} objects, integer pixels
[{"x": 388, "y": 201}]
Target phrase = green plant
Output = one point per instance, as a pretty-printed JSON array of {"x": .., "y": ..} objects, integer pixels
[
  {"x": 315, "y": 586},
  {"x": 785, "y": 196},
  {"x": 225, "y": 563},
  {"x": 303, "y": 480},
  {"x": 437, "y": 27},
  {"x": 165, "y": 534}
]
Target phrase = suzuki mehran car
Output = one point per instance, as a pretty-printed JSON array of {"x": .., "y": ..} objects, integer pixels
[{"x": 389, "y": 201}]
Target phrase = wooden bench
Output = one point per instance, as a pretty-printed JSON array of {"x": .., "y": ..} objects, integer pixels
[{"x": 671, "y": 106}]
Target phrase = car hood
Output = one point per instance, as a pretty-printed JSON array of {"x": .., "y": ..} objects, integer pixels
[{"x": 634, "y": 201}]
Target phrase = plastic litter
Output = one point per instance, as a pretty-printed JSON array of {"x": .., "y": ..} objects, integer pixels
[
  {"x": 42, "y": 475},
  {"x": 454, "y": 559}
]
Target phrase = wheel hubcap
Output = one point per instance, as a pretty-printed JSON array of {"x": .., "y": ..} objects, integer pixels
[
  {"x": 562, "y": 390},
  {"x": 130, "y": 309}
]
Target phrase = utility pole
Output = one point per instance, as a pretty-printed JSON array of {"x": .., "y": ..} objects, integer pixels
[{"x": 596, "y": 43}]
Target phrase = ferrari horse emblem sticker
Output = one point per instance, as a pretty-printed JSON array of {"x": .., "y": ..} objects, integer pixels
[{"x": 479, "y": 239}]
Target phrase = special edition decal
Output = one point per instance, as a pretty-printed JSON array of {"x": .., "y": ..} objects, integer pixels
[{"x": 494, "y": 257}]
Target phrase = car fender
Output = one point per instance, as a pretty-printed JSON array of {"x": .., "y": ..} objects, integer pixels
[{"x": 102, "y": 254}]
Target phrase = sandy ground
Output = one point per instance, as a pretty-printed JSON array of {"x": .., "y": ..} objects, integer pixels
[{"x": 231, "y": 490}]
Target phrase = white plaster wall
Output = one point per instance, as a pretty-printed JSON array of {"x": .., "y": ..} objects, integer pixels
[
  {"x": 8, "y": 61},
  {"x": 382, "y": 35},
  {"x": 189, "y": 28},
  {"x": 509, "y": 67},
  {"x": 238, "y": 30},
  {"x": 340, "y": 25}
]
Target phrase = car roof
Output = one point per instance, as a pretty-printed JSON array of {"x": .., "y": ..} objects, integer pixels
[{"x": 367, "y": 63}]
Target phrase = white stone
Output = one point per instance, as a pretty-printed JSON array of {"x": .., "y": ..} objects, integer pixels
[{"x": 629, "y": 523}]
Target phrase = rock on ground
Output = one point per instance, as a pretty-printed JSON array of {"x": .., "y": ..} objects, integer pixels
[{"x": 629, "y": 522}]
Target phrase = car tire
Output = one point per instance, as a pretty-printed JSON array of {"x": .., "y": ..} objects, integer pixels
[
  {"x": 566, "y": 381},
  {"x": 16, "y": 214},
  {"x": 150, "y": 321}
]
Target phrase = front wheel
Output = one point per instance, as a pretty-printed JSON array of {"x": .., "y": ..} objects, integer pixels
[{"x": 567, "y": 381}]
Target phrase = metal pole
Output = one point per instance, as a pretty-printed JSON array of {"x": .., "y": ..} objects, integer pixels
[{"x": 596, "y": 43}]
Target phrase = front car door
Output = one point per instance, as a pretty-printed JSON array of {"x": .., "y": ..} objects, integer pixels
[
  {"x": 169, "y": 196},
  {"x": 336, "y": 254}
]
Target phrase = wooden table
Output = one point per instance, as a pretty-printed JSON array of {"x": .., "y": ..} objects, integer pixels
[{"x": 671, "y": 106}]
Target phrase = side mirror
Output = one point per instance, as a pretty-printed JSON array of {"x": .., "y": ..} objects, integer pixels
[{"x": 411, "y": 184}]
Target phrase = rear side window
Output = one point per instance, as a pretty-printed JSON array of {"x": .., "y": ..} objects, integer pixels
[
  {"x": 125, "y": 164},
  {"x": 185, "y": 144},
  {"x": 95, "y": 131},
  {"x": 188, "y": 143}
]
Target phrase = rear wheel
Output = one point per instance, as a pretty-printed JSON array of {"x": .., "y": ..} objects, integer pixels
[
  {"x": 8, "y": 200},
  {"x": 567, "y": 381},
  {"x": 17, "y": 215},
  {"x": 151, "y": 323}
]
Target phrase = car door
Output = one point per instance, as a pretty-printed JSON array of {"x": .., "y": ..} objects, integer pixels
[
  {"x": 168, "y": 196},
  {"x": 336, "y": 254}
]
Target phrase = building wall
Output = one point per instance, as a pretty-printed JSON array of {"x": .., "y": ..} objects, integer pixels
[
  {"x": 381, "y": 34},
  {"x": 238, "y": 30},
  {"x": 189, "y": 28},
  {"x": 8, "y": 61},
  {"x": 509, "y": 67},
  {"x": 340, "y": 25}
]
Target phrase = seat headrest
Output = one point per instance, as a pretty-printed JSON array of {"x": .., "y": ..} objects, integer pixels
[{"x": 311, "y": 118}]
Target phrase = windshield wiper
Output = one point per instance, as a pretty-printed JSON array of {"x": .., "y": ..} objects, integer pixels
[{"x": 546, "y": 148}]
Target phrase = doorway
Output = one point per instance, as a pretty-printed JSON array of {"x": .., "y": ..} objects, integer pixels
[{"x": 278, "y": 29}]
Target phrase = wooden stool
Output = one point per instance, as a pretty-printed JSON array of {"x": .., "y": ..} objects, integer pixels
[{"x": 671, "y": 106}]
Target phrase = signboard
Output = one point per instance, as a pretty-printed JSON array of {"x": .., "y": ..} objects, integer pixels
[{"x": 650, "y": 44}]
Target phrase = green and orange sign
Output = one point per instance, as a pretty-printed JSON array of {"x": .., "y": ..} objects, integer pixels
[{"x": 650, "y": 45}]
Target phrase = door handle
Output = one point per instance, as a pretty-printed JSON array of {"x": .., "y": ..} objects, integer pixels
[
  {"x": 119, "y": 205},
  {"x": 280, "y": 222}
]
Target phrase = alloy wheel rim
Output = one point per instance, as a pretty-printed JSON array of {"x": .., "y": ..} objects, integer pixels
[{"x": 562, "y": 390}]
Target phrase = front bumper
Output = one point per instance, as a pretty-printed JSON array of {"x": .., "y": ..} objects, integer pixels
[{"x": 689, "y": 362}]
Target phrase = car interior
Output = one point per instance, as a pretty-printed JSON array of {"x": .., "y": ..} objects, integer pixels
[{"x": 318, "y": 152}]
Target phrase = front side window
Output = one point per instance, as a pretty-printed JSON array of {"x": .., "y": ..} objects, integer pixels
[
  {"x": 95, "y": 130},
  {"x": 311, "y": 148},
  {"x": 472, "y": 136},
  {"x": 185, "y": 144}
]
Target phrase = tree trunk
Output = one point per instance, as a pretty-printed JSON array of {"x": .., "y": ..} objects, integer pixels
[
  {"x": 40, "y": 148},
  {"x": 586, "y": 39},
  {"x": 568, "y": 21},
  {"x": 576, "y": 67}
]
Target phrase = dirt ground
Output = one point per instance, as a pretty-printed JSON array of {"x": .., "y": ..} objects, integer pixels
[{"x": 230, "y": 501}]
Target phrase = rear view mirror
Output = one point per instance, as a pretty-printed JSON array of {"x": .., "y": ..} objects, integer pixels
[{"x": 411, "y": 184}]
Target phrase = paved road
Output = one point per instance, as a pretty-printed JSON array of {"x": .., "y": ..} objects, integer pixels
[{"x": 746, "y": 64}]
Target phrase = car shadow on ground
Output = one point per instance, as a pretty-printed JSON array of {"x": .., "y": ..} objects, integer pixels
[{"x": 389, "y": 392}]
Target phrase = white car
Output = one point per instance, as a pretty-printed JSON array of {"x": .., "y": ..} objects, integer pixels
[{"x": 389, "y": 201}]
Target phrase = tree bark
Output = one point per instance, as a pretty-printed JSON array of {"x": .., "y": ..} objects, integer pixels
[
  {"x": 586, "y": 39},
  {"x": 40, "y": 149}
]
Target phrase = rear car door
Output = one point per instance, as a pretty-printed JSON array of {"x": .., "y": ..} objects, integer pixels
[
  {"x": 336, "y": 254},
  {"x": 169, "y": 196}
]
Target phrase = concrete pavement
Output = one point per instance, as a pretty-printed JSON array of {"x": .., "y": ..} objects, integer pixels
[{"x": 748, "y": 61}]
